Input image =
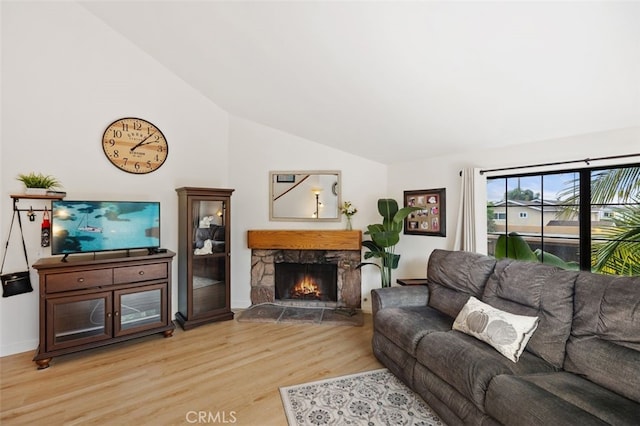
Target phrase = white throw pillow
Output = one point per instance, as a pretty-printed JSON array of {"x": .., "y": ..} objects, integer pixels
[{"x": 508, "y": 333}]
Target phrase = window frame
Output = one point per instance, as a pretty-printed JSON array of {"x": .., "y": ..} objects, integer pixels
[{"x": 584, "y": 205}]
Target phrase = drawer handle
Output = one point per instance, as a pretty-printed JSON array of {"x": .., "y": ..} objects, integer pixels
[
  {"x": 141, "y": 273},
  {"x": 80, "y": 280}
]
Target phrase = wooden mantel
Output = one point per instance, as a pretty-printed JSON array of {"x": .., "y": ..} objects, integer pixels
[{"x": 304, "y": 240}]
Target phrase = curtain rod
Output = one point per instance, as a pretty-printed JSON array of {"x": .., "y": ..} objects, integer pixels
[{"x": 586, "y": 160}]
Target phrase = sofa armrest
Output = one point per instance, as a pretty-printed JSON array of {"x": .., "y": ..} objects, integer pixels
[{"x": 392, "y": 297}]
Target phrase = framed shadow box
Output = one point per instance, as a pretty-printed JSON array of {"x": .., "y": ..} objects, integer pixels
[{"x": 431, "y": 218}]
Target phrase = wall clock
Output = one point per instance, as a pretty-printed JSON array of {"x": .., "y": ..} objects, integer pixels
[{"x": 135, "y": 145}]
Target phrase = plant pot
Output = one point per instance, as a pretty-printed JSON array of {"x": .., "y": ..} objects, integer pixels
[{"x": 35, "y": 191}]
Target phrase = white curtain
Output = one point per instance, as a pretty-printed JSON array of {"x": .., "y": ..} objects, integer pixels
[{"x": 471, "y": 232}]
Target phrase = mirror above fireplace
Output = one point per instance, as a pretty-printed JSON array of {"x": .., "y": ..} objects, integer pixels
[{"x": 310, "y": 196}]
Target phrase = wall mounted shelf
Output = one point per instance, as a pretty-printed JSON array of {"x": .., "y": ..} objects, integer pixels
[{"x": 17, "y": 197}]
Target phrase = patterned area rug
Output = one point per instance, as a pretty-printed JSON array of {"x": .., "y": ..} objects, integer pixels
[{"x": 370, "y": 398}]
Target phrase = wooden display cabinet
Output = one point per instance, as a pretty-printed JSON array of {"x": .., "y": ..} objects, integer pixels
[
  {"x": 92, "y": 301},
  {"x": 204, "y": 261}
]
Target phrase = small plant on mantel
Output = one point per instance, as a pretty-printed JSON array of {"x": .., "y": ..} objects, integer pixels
[
  {"x": 38, "y": 183},
  {"x": 385, "y": 236}
]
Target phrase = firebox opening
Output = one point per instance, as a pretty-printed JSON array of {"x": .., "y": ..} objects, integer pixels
[{"x": 306, "y": 281}]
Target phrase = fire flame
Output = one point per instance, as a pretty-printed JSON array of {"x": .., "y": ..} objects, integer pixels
[{"x": 306, "y": 289}]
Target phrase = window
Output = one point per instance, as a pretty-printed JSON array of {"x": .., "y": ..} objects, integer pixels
[{"x": 586, "y": 218}]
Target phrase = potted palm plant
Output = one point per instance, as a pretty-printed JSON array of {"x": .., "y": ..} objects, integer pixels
[
  {"x": 385, "y": 236},
  {"x": 38, "y": 183}
]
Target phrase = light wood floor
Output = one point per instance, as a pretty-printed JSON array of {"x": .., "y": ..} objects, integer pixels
[{"x": 228, "y": 369}]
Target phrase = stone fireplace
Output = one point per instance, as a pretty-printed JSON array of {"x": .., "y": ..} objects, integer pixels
[{"x": 306, "y": 268}]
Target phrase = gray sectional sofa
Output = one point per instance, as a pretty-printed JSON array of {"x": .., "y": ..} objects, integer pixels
[{"x": 580, "y": 366}]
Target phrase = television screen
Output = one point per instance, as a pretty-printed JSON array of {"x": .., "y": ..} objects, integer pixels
[{"x": 91, "y": 226}]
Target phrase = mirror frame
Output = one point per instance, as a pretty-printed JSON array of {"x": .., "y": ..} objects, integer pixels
[{"x": 336, "y": 189}]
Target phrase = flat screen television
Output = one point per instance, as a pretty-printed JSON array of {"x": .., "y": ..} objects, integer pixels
[{"x": 95, "y": 226}]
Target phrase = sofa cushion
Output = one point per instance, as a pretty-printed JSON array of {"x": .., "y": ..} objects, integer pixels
[
  {"x": 446, "y": 300},
  {"x": 453, "y": 276},
  {"x": 604, "y": 346},
  {"x": 507, "y": 333},
  {"x": 556, "y": 399},
  {"x": 468, "y": 364},
  {"x": 405, "y": 326},
  {"x": 535, "y": 289}
]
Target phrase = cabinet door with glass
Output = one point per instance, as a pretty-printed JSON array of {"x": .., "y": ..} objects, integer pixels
[
  {"x": 204, "y": 256},
  {"x": 139, "y": 309},
  {"x": 78, "y": 320}
]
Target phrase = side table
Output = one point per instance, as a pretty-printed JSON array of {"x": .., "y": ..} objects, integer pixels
[{"x": 412, "y": 281}]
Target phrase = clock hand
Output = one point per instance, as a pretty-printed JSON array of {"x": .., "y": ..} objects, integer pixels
[
  {"x": 142, "y": 142},
  {"x": 147, "y": 143}
]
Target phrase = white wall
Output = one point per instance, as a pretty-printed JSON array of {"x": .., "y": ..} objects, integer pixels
[
  {"x": 255, "y": 150},
  {"x": 65, "y": 77},
  {"x": 443, "y": 172}
]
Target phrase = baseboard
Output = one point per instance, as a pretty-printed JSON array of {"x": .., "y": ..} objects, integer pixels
[
  {"x": 18, "y": 347},
  {"x": 240, "y": 304}
]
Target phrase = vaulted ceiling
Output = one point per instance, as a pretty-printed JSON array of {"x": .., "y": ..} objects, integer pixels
[{"x": 394, "y": 81}]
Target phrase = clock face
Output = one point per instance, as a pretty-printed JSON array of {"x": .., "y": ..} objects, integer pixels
[{"x": 135, "y": 145}]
